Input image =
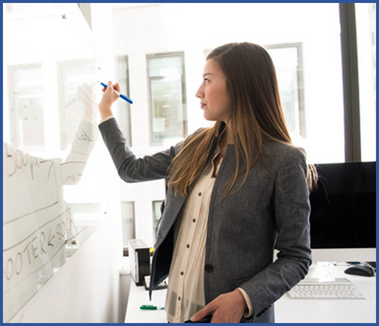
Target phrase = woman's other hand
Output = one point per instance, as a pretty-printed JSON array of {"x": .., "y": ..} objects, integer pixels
[{"x": 226, "y": 308}]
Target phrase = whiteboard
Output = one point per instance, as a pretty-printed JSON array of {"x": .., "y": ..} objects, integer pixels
[{"x": 51, "y": 199}]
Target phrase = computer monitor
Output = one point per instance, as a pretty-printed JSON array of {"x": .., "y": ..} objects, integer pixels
[{"x": 343, "y": 213}]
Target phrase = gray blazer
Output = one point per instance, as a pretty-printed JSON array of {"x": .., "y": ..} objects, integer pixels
[{"x": 270, "y": 211}]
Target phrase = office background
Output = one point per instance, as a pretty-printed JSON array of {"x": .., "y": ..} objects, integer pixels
[
  {"x": 157, "y": 53},
  {"x": 161, "y": 64}
]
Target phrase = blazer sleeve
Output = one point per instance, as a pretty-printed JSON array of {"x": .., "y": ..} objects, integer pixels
[
  {"x": 291, "y": 212},
  {"x": 129, "y": 167}
]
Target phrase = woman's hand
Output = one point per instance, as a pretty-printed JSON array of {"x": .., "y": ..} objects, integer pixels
[
  {"x": 226, "y": 308},
  {"x": 109, "y": 97}
]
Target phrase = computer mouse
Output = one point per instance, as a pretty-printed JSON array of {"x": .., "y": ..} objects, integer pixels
[{"x": 360, "y": 270}]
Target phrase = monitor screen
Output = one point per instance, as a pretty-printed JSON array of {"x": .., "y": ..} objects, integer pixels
[{"x": 343, "y": 209}]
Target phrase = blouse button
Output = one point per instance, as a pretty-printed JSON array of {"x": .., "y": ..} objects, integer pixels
[
  {"x": 199, "y": 193},
  {"x": 194, "y": 220},
  {"x": 209, "y": 268}
]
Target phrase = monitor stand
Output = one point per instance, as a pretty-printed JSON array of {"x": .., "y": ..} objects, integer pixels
[
  {"x": 326, "y": 272},
  {"x": 325, "y": 275}
]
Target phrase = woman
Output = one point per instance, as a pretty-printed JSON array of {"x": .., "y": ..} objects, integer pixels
[{"x": 236, "y": 192}]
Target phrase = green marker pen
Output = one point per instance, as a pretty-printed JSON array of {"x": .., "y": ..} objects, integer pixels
[{"x": 151, "y": 307}]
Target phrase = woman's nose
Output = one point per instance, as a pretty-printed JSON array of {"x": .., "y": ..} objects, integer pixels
[{"x": 199, "y": 93}]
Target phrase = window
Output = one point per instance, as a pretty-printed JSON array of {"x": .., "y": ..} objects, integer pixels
[
  {"x": 71, "y": 75},
  {"x": 83, "y": 222},
  {"x": 26, "y": 113},
  {"x": 156, "y": 216},
  {"x": 288, "y": 63},
  {"x": 366, "y": 45},
  {"x": 128, "y": 222},
  {"x": 123, "y": 107},
  {"x": 167, "y": 97}
]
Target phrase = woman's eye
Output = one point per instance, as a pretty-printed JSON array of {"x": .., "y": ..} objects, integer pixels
[{"x": 206, "y": 80}]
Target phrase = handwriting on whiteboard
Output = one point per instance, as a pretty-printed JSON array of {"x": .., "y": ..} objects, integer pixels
[
  {"x": 38, "y": 225},
  {"x": 39, "y": 247}
]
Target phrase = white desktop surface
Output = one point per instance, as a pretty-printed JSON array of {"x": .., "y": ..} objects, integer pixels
[
  {"x": 138, "y": 296},
  {"x": 286, "y": 310},
  {"x": 333, "y": 310}
]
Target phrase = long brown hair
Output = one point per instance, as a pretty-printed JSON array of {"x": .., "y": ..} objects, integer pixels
[{"x": 256, "y": 116}]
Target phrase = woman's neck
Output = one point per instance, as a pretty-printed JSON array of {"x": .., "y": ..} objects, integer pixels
[
  {"x": 226, "y": 139},
  {"x": 228, "y": 135}
]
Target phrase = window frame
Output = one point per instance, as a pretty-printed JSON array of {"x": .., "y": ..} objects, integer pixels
[{"x": 350, "y": 82}]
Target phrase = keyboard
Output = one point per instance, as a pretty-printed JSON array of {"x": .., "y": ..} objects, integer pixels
[{"x": 311, "y": 288}]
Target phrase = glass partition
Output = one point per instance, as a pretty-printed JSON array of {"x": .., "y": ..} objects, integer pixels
[{"x": 52, "y": 201}]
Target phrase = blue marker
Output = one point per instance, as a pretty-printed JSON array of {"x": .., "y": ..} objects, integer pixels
[{"x": 127, "y": 99}]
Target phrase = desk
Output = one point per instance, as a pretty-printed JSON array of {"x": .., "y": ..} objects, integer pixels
[
  {"x": 138, "y": 296},
  {"x": 331, "y": 311},
  {"x": 286, "y": 310}
]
